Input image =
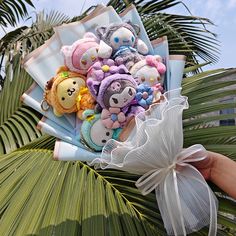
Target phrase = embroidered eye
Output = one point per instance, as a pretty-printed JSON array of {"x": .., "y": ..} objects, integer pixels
[
  {"x": 115, "y": 100},
  {"x": 116, "y": 39},
  {"x": 93, "y": 58},
  {"x": 107, "y": 133},
  {"x": 104, "y": 141},
  {"x": 74, "y": 82},
  {"x": 62, "y": 98},
  {"x": 84, "y": 62},
  {"x": 130, "y": 92},
  {"x": 143, "y": 79},
  {"x": 96, "y": 49},
  {"x": 132, "y": 39}
]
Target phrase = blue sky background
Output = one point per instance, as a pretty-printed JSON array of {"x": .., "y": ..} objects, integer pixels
[{"x": 221, "y": 12}]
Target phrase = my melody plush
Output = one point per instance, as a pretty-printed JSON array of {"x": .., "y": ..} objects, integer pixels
[
  {"x": 115, "y": 93},
  {"x": 149, "y": 71},
  {"x": 81, "y": 54},
  {"x": 93, "y": 133},
  {"x": 120, "y": 41},
  {"x": 62, "y": 90}
]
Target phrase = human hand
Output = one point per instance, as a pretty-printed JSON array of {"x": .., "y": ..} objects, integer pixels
[{"x": 205, "y": 166}]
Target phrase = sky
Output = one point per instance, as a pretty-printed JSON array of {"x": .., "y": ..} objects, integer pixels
[{"x": 221, "y": 12}]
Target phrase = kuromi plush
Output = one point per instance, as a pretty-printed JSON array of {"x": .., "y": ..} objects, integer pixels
[
  {"x": 115, "y": 93},
  {"x": 121, "y": 42},
  {"x": 81, "y": 54},
  {"x": 62, "y": 90},
  {"x": 94, "y": 134}
]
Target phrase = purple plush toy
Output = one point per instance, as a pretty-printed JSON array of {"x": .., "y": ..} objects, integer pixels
[{"x": 113, "y": 87}]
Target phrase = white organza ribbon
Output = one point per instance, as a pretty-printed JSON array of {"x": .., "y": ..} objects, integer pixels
[
  {"x": 158, "y": 179},
  {"x": 155, "y": 151}
]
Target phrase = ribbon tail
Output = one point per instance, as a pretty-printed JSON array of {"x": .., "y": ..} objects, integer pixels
[
  {"x": 212, "y": 202},
  {"x": 149, "y": 181},
  {"x": 173, "y": 206},
  {"x": 192, "y": 173}
]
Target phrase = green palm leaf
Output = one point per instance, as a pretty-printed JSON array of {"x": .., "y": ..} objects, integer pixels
[{"x": 12, "y": 10}]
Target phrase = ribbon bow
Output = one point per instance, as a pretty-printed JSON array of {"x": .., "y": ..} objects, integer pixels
[{"x": 157, "y": 179}]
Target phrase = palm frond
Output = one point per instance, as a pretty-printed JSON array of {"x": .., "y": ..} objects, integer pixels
[
  {"x": 208, "y": 93},
  {"x": 17, "y": 121},
  {"x": 12, "y": 10},
  {"x": 47, "y": 197},
  {"x": 43, "y": 197}
]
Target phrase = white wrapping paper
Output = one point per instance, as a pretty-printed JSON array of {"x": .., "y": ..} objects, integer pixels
[{"x": 155, "y": 151}]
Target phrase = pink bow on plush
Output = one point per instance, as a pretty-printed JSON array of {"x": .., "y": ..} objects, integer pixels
[
  {"x": 113, "y": 118},
  {"x": 153, "y": 61}
]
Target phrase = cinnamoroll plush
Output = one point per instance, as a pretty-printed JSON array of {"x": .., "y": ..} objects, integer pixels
[
  {"x": 121, "y": 42},
  {"x": 82, "y": 54}
]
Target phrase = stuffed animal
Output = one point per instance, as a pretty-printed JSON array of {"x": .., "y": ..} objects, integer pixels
[
  {"x": 84, "y": 102},
  {"x": 81, "y": 54},
  {"x": 116, "y": 90},
  {"x": 149, "y": 71},
  {"x": 93, "y": 133},
  {"x": 122, "y": 43},
  {"x": 62, "y": 90},
  {"x": 116, "y": 96}
]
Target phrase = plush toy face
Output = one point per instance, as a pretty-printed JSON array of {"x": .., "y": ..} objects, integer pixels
[
  {"x": 89, "y": 58},
  {"x": 119, "y": 94},
  {"x": 148, "y": 75},
  {"x": 67, "y": 91},
  {"x": 122, "y": 37},
  {"x": 100, "y": 134}
]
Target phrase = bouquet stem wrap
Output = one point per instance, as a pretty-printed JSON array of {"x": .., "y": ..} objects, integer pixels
[{"x": 155, "y": 150}]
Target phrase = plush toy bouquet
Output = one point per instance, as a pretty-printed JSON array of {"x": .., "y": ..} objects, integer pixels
[{"x": 113, "y": 98}]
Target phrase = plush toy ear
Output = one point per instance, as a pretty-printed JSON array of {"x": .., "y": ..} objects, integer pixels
[
  {"x": 100, "y": 31},
  {"x": 142, "y": 47},
  {"x": 93, "y": 86},
  {"x": 56, "y": 112},
  {"x": 135, "y": 26},
  {"x": 123, "y": 69},
  {"x": 104, "y": 50},
  {"x": 158, "y": 58},
  {"x": 87, "y": 113},
  {"x": 90, "y": 35},
  {"x": 65, "y": 50}
]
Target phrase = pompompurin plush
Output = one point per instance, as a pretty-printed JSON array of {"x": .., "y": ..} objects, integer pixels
[
  {"x": 81, "y": 54},
  {"x": 121, "y": 42},
  {"x": 93, "y": 133},
  {"x": 62, "y": 90},
  {"x": 149, "y": 71}
]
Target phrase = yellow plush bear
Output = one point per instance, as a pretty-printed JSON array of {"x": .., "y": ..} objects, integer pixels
[{"x": 61, "y": 91}]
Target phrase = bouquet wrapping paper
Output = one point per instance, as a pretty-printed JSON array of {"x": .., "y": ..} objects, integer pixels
[{"x": 155, "y": 151}]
